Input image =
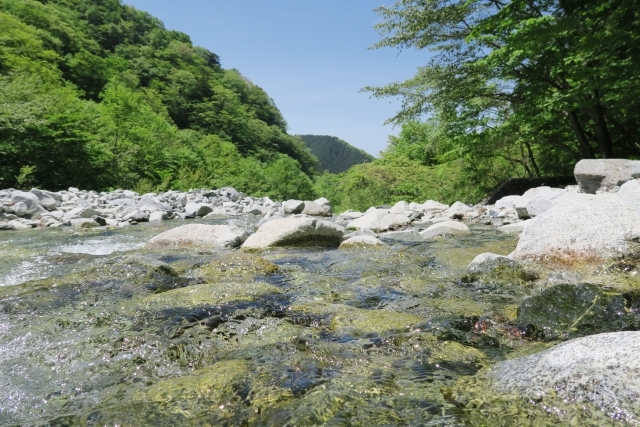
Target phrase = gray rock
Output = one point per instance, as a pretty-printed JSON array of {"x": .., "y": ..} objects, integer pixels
[
  {"x": 228, "y": 190},
  {"x": 83, "y": 212},
  {"x": 293, "y": 206},
  {"x": 379, "y": 220},
  {"x": 453, "y": 228},
  {"x": 432, "y": 205},
  {"x": 83, "y": 223},
  {"x": 350, "y": 214},
  {"x": 399, "y": 207},
  {"x": 604, "y": 174},
  {"x": 458, "y": 208},
  {"x": 602, "y": 370},
  {"x": 20, "y": 209},
  {"x": 515, "y": 228},
  {"x": 197, "y": 209},
  {"x": 630, "y": 193},
  {"x": 362, "y": 241},
  {"x": 137, "y": 216},
  {"x": 402, "y": 236},
  {"x": 126, "y": 202},
  {"x": 157, "y": 216},
  {"x": 202, "y": 235},
  {"x": 4, "y": 225},
  {"x": 323, "y": 201},
  {"x": 295, "y": 231},
  {"x": 19, "y": 225},
  {"x": 152, "y": 264},
  {"x": 507, "y": 202},
  {"x": 100, "y": 220},
  {"x": 581, "y": 225},
  {"x": 488, "y": 261},
  {"x": 360, "y": 232},
  {"x": 48, "y": 200},
  {"x": 313, "y": 209}
]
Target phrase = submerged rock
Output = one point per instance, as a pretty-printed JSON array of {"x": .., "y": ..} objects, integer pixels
[
  {"x": 567, "y": 311},
  {"x": 301, "y": 231},
  {"x": 202, "y": 235},
  {"x": 601, "y": 370}
]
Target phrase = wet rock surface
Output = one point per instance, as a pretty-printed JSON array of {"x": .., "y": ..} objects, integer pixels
[{"x": 113, "y": 324}]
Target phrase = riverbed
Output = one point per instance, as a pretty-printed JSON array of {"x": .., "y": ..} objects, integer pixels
[{"x": 91, "y": 333}]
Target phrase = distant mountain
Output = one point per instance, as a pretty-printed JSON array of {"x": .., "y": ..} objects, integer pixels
[{"x": 335, "y": 155}]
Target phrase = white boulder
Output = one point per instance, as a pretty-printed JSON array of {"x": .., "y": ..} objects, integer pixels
[
  {"x": 363, "y": 240},
  {"x": 295, "y": 231},
  {"x": 453, "y": 228},
  {"x": 202, "y": 235},
  {"x": 581, "y": 225},
  {"x": 604, "y": 174},
  {"x": 379, "y": 220},
  {"x": 601, "y": 370}
]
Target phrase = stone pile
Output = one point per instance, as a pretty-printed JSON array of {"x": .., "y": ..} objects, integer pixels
[{"x": 122, "y": 208}]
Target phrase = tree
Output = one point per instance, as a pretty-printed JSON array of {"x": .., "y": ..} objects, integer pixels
[{"x": 541, "y": 82}]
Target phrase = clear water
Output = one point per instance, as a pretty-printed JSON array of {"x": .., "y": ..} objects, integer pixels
[{"x": 357, "y": 337}]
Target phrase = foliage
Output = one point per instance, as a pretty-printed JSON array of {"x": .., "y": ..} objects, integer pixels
[
  {"x": 334, "y": 154},
  {"x": 539, "y": 84},
  {"x": 97, "y": 94}
]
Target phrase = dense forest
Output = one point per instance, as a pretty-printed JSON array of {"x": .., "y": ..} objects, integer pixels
[
  {"x": 97, "y": 94},
  {"x": 334, "y": 154}
]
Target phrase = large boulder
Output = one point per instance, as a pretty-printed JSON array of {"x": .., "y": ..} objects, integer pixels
[
  {"x": 292, "y": 231},
  {"x": 293, "y": 206},
  {"x": 379, "y": 220},
  {"x": 602, "y": 370},
  {"x": 630, "y": 193},
  {"x": 452, "y": 228},
  {"x": 604, "y": 174},
  {"x": 48, "y": 200},
  {"x": 197, "y": 209},
  {"x": 313, "y": 209},
  {"x": 581, "y": 226},
  {"x": 202, "y": 235}
]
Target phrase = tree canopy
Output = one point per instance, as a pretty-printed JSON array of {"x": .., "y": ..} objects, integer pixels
[{"x": 538, "y": 84}]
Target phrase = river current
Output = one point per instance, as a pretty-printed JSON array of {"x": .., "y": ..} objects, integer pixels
[{"x": 92, "y": 334}]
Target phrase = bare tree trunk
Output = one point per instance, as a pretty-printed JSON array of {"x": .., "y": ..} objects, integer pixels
[
  {"x": 532, "y": 159},
  {"x": 602, "y": 133},
  {"x": 577, "y": 129}
]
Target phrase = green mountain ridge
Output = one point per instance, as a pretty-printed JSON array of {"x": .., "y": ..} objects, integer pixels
[
  {"x": 334, "y": 154},
  {"x": 98, "y": 95}
]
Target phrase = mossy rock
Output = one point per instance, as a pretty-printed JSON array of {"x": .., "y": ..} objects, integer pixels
[
  {"x": 568, "y": 311},
  {"x": 208, "y": 384},
  {"x": 237, "y": 265},
  {"x": 207, "y": 294},
  {"x": 348, "y": 319}
]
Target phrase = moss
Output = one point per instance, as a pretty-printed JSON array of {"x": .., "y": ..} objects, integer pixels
[
  {"x": 356, "y": 321},
  {"x": 237, "y": 264},
  {"x": 206, "y": 294}
]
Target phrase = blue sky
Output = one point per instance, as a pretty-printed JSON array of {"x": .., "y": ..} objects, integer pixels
[{"x": 310, "y": 56}]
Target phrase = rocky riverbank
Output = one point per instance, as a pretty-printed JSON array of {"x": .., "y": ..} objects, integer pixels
[{"x": 517, "y": 313}]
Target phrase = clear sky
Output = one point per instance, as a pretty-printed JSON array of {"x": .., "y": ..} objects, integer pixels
[{"x": 310, "y": 56}]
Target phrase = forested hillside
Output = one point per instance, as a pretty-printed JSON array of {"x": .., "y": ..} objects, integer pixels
[
  {"x": 100, "y": 95},
  {"x": 334, "y": 154}
]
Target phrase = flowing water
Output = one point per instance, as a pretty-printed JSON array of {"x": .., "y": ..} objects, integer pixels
[{"x": 90, "y": 334}]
